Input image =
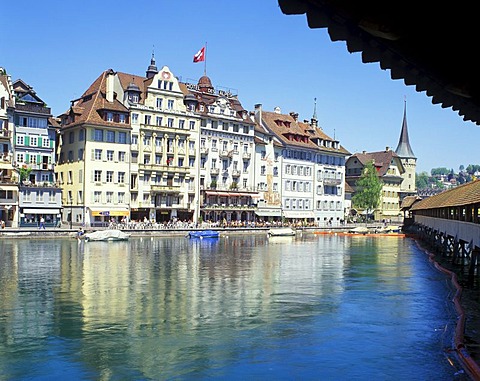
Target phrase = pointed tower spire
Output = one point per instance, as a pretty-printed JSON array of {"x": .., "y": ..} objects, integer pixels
[
  {"x": 314, "y": 117},
  {"x": 403, "y": 149},
  {"x": 152, "y": 69}
]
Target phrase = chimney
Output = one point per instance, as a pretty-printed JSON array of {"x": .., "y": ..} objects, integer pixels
[
  {"x": 110, "y": 92},
  {"x": 258, "y": 113},
  {"x": 294, "y": 115},
  {"x": 387, "y": 148}
]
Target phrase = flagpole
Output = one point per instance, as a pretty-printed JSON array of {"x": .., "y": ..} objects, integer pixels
[{"x": 205, "y": 61}]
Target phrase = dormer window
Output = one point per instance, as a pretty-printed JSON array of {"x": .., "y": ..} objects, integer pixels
[
  {"x": 132, "y": 97},
  {"x": 109, "y": 117}
]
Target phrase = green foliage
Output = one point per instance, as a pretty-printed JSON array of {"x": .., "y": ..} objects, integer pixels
[
  {"x": 24, "y": 173},
  {"x": 213, "y": 184},
  {"x": 368, "y": 189},
  {"x": 471, "y": 169},
  {"x": 234, "y": 185},
  {"x": 424, "y": 181},
  {"x": 440, "y": 171}
]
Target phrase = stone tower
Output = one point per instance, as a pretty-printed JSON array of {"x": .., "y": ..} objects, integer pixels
[{"x": 408, "y": 159}]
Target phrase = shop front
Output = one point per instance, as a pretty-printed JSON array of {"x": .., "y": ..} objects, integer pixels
[
  {"x": 30, "y": 217},
  {"x": 104, "y": 216}
]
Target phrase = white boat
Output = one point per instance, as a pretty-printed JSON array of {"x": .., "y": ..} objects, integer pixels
[
  {"x": 106, "y": 235},
  {"x": 359, "y": 230},
  {"x": 281, "y": 232}
]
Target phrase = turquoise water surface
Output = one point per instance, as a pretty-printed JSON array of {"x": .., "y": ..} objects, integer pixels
[{"x": 235, "y": 308}]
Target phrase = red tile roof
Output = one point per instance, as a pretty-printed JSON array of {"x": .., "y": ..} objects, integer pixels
[
  {"x": 301, "y": 134},
  {"x": 86, "y": 108},
  {"x": 381, "y": 160}
]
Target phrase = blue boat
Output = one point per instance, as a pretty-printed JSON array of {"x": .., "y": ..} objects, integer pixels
[{"x": 204, "y": 234}]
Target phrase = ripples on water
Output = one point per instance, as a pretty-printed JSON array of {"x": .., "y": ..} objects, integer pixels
[{"x": 239, "y": 307}]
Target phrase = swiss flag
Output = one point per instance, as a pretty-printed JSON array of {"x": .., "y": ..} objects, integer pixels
[{"x": 200, "y": 56}]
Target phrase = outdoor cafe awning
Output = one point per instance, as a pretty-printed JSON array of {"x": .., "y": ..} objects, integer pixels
[
  {"x": 110, "y": 212},
  {"x": 269, "y": 213},
  {"x": 230, "y": 194},
  {"x": 40, "y": 211},
  {"x": 298, "y": 214}
]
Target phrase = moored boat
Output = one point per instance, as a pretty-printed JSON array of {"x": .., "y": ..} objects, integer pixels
[
  {"x": 106, "y": 235},
  {"x": 204, "y": 234},
  {"x": 281, "y": 232}
]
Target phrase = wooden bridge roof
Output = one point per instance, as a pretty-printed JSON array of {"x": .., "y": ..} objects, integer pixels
[{"x": 465, "y": 194}]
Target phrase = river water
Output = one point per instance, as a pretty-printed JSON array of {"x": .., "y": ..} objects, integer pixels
[{"x": 241, "y": 307}]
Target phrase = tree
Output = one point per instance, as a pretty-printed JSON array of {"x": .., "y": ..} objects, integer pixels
[
  {"x": 368, "y": 189},
  {"x": 421, "y": 180},
  {"x": 440, "y": 171},
  {"x": 24, "y": 173}
]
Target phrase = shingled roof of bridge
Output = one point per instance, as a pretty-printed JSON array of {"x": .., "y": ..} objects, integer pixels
[{"x": 465, "y": 194}]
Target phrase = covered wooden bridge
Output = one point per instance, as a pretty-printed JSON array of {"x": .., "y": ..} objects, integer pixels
[{"x": 450, "y": 221}]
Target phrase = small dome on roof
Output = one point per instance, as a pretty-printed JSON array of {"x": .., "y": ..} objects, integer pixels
[
  {"x": 204, "y": 83},
  {"x": 133, "y": 87}
]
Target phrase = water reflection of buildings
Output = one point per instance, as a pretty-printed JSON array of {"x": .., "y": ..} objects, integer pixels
[{"x": 150, "y": 297}]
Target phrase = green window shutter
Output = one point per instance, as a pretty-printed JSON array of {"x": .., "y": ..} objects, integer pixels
[
  {"x": 39, "y": 159},
  {"x": 39, "y": 141},
  {"x": 27, "y": 140},
  {"x": 27, "y": 158}
]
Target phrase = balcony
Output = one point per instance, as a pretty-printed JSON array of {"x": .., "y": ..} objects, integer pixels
[
  {"x": 332, "y": 181},
  {"x": 235, "y": 173},
  {"x": 214, "y": 171},
  {"x": 33, "y": 108},
  {"x": 225, "y": 153},
  {"x": 246, "y": 156},
  {"x": 165, "y": 188},
  {"x": 5, "y": 134},
  {"x": 5, "y": 158},
  {"x": 203, "y": 151}
]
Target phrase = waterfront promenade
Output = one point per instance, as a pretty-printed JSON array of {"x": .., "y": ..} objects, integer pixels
[{"x": 171, "y": 231}]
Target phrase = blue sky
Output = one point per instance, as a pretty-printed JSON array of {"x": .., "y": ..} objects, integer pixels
[{"x": 60, "y": 48}]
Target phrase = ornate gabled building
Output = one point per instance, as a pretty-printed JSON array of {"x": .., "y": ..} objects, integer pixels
[
  {"x": 226, "y": 153},
  {"x": 309, "y": 165},
  {"x": 94, "y": 155},
  {"x": 164, "y": 181},
  {"x": 8, "y": 173}
]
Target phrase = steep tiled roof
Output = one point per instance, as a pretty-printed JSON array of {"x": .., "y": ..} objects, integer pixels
[
  {"x": 408, "y": 201},
  {"x": 126, "y": 79},
  {"x": 53, "y": 122},
  {"x": 292, "y": 132},
  {"x": 381, "y": 159},
  {"x": 465, "y": 194},
  {"x": 87, "y": 107},
  {"x": 348, "y": 188}
]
